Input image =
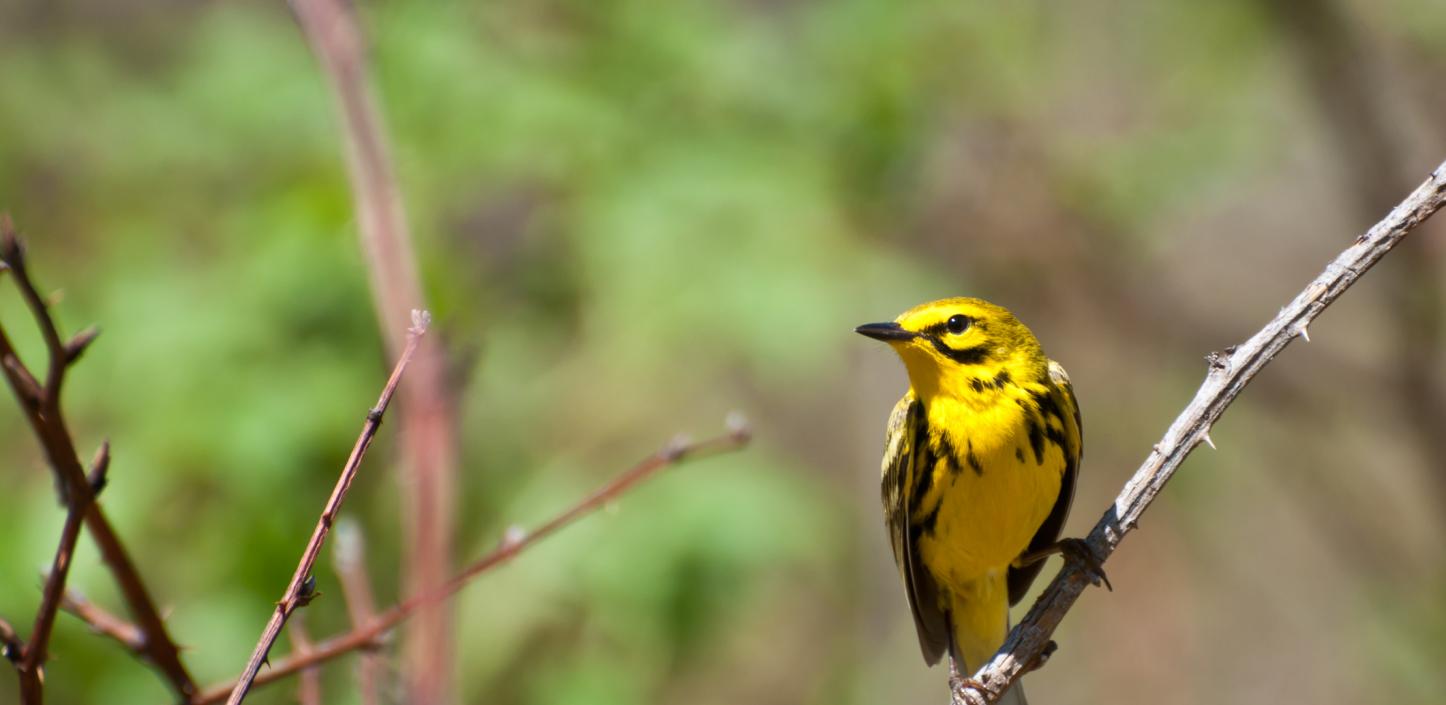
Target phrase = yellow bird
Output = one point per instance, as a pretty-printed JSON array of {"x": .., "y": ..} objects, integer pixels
[{"x": 978, "y": 474}]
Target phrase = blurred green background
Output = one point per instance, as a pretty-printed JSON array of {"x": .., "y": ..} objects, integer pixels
[{"x": 633, "y": 217}]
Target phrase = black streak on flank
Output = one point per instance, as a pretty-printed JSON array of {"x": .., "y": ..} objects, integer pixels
[
  {"x": 977, "y": 384},
  {"x": 1019, "y": 454},
  {"x": 1002, "y": 379},
  {"x": 1056, "y": 436},
  {"x": 1036, "y": 440},
  {"x": 926, "y": 525},
  {"x": 947, "y": 452},
  {"x": 924, "y": 460},
  {"x": 974, "y": 460},
  {"x": 1049, "y": 406},
  {"x": 1053, "y": 427}
]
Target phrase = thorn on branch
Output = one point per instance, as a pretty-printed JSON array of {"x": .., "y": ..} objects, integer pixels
[
  {"x": 77, "y": 345},
  {"x": 1208, "y": 440},
  {"x": 99, "y": 467},
  {"x": 11, "y": 251},
  {"x": 11, "y": 647},
  {"x": 1220, "y": 360}
]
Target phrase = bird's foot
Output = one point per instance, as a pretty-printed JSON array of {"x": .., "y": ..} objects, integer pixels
[
  {"x": 1038, "y": 662},
  {"x": 966, "y": 690},
  {"x": 1076, "y": 551}
]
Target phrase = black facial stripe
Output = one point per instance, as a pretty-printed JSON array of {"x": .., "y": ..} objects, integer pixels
[{"x": 967, "y": 356}]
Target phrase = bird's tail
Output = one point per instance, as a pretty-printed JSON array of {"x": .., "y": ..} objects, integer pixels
[{"x": 979, "y": 622}]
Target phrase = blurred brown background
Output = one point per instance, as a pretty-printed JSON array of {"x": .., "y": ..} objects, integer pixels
[{"x": 633, "y": 217}]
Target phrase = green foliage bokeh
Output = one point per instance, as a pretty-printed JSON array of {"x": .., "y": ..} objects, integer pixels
[{"x": 633, "y": 218}]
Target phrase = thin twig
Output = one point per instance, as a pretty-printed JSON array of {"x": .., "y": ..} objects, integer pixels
[
  {"x": 37, "y": 650},
  {"x": 12, "y": 648},
  {"x": 308, "y": 690},
  {"x": 43, "y": 411},
  {"x": 428, "y": 435},
  {"x": 349, "y": 558},
  {"x": 104, "y": 623},
  {"x": 300, "y": 590},
  {"x": 513, "y": 542},
  {"x": 1229, "y": 372}
]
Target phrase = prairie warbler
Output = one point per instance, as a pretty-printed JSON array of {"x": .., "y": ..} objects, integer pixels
[{"x": 979, "y": 469}]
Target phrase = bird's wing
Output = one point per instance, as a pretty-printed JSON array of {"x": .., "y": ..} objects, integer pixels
[
  {"x": 900, "y": 469},
  {"x": 1061, "y": 399}
]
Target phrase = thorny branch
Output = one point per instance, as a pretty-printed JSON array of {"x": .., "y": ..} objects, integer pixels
[
  {"x": 301, "y": 589},
  {"x": 104, "y": 623},
  {"x": 349, "y": 559},
  {"x": 513, "y": 542},
  {"x": 36, "y": 651},
  {"x": 41, "y": 405},
  {"x": 428, "y": 433},
  {"x": 1229, "y": 372},
  {"x": 308, "y": 690}
]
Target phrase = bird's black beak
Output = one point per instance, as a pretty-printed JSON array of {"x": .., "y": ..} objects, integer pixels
[{"x": 885, "y": 331}]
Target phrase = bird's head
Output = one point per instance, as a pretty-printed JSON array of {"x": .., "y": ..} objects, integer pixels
[{"x": 949, "y": 342}]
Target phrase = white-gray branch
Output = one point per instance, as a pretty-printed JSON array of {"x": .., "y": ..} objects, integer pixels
[{"x": 1229, "y": 372}]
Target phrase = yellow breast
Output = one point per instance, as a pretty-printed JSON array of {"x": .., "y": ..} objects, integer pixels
[{"x": 989, "y": 491}]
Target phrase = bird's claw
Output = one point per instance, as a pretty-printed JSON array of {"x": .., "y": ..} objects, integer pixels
[
  {"x": 1043, "y": 657},
  {"x": 961, "y": 686},
  {"x": 1080, "y": 553}
]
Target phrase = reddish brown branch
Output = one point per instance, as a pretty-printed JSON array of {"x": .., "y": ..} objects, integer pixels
[
  {"x": 308, "y": 690},
  {"x": 104, "y": 623},
  {"x": 37, "y": 650},
  {"x": 42, "y": 409},
  {"x": 301, "y": 589},
  {"x": 512, "y": 543},
  {"x": 428, "y": 433},
  {"x": 12, "y": 647},
  {"x": 349, "y": 557}
]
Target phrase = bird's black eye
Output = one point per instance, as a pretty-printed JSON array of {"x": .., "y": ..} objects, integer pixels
[{"x": 958, "y": 324}]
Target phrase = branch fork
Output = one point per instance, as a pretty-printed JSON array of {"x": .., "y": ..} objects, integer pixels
[{"x": 41, "y": 403}]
